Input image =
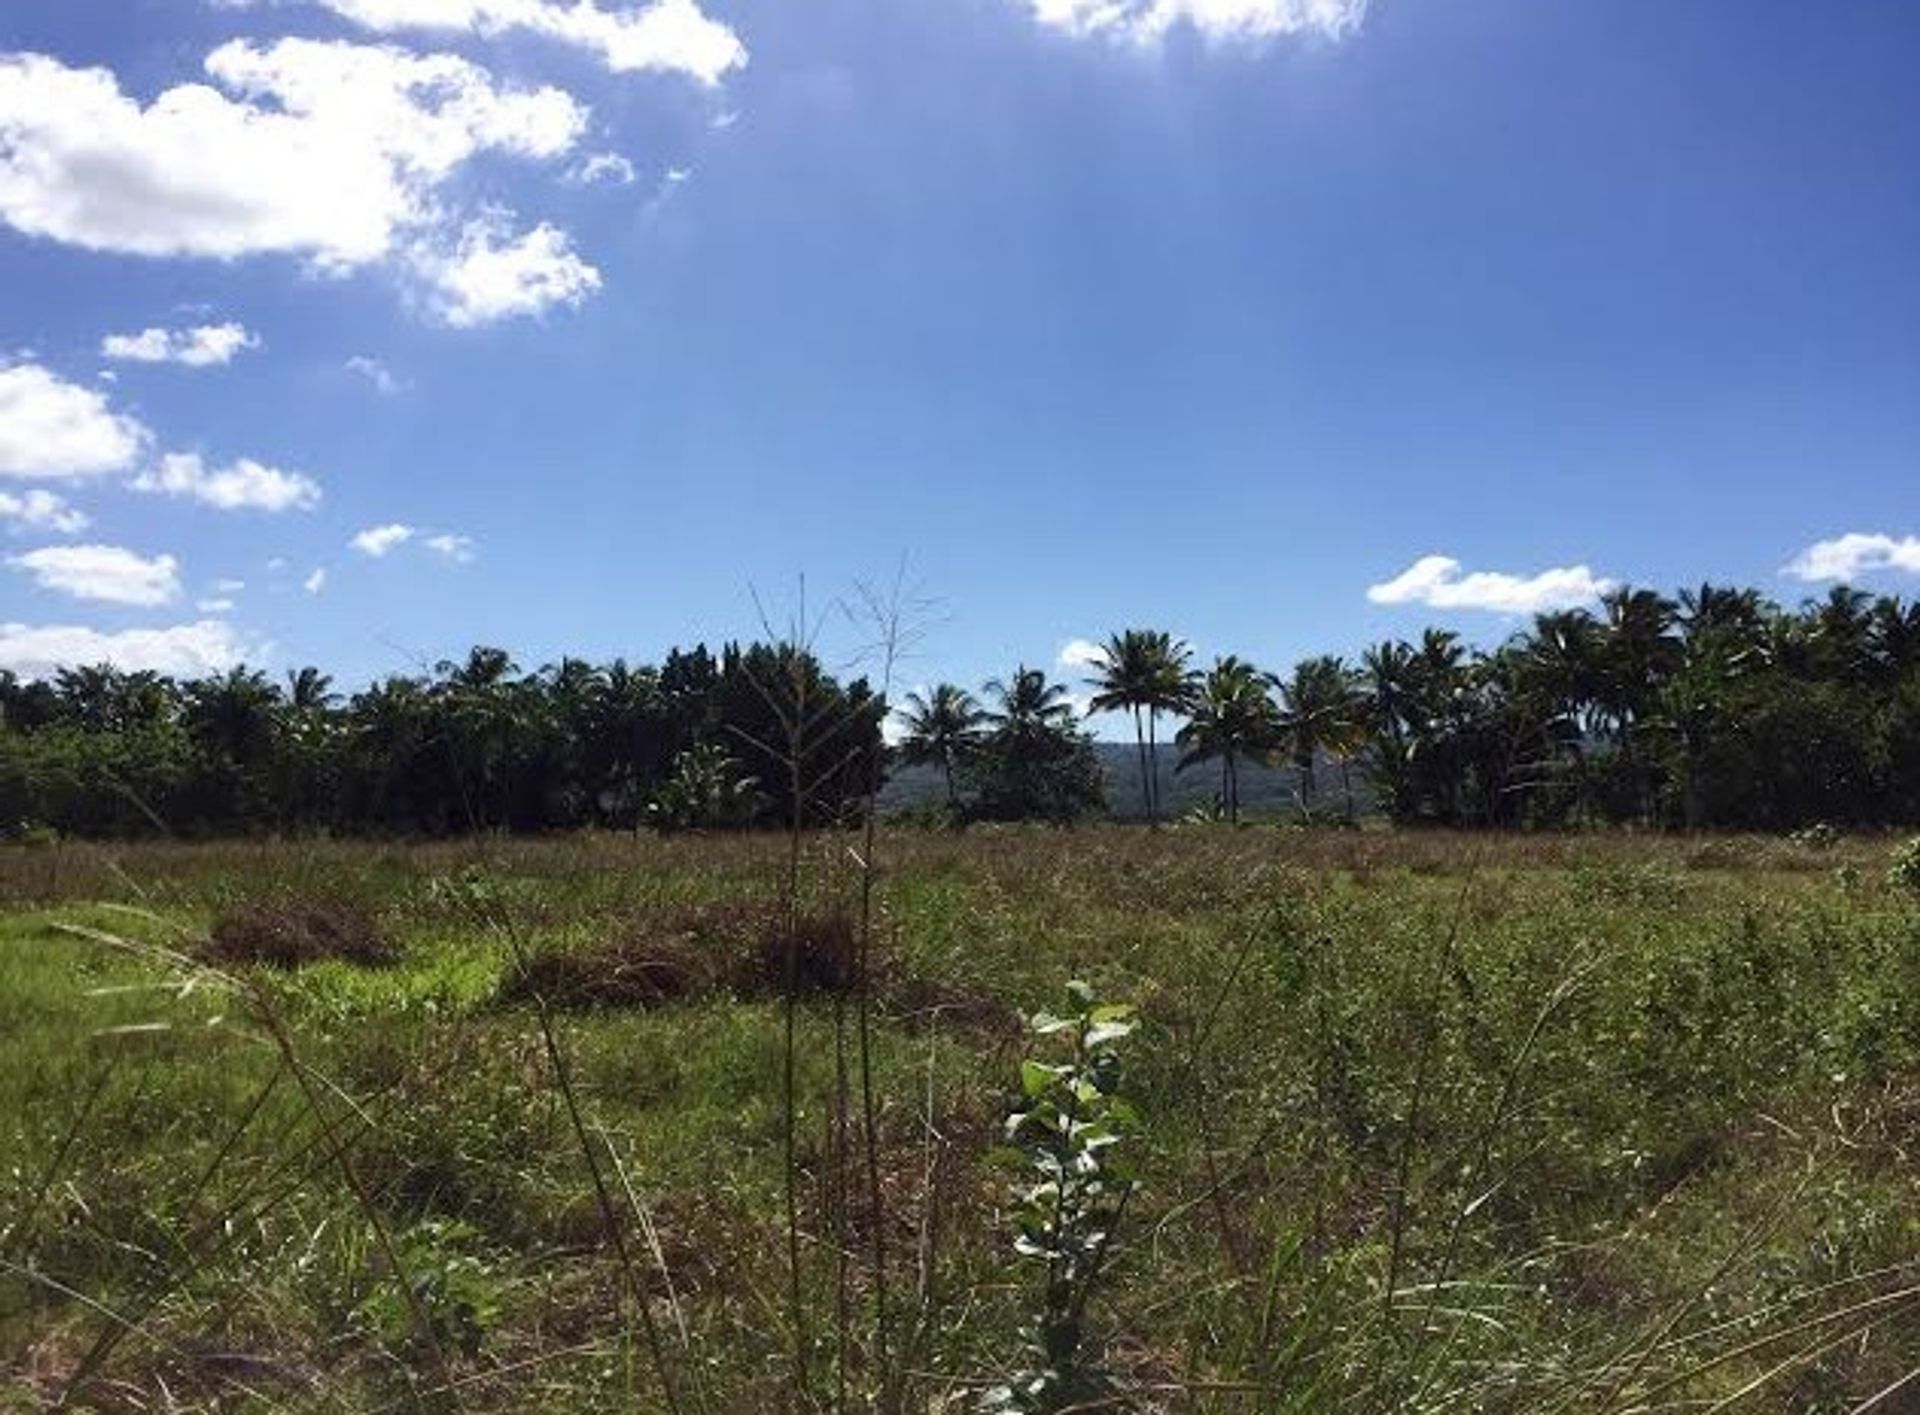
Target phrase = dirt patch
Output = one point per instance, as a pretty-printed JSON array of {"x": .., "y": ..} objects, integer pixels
[{"x": 293, "y": 935}]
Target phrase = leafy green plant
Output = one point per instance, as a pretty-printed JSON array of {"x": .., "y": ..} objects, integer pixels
[
  {"x": 454, "y": 1287},
  {"x": 1066, "y": 1127},
  {"x": 1905, "y": 873}
]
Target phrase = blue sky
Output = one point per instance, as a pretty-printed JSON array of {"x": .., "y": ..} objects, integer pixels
[{"x": 1206, "y": 314}]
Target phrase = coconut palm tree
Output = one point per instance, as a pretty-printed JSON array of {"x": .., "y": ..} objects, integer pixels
[
  {"x": 1322, "y": 712},
  {"x": 940, "y": 730},
  {"x": 1144, "y": 672},
  {"x": 1232, "y": 718}
]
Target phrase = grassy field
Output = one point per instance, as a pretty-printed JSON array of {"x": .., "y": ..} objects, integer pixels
[{"x": 1421, "y": 1122}]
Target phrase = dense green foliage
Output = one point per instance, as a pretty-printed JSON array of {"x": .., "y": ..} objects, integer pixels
[
  {"x": 1716, "y": 709},
  {"x": 477, "y": 745}
]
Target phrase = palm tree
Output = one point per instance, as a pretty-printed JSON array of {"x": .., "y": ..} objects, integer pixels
[
  {"x": 1027, "y": 701},
  {"x": 1322, "y": 711},
  {"x": 1232, "y": 717},
  {"x": 308, "y": 689},
  {"x": 941, "y": 729},
  {"x": 1144, "y": 671}
]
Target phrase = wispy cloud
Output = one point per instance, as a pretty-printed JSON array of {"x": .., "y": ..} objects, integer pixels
[
  {"x": 1146, "y": 21},
  {"x": 245, "y": 485},
  {"x": 315, "y": 582},
  {"x": 1857, "y": 553},
  {"x": 41, "y": 510},
  {"x": 1438, "y": 582},
  {"x": 458, "y": 549},
  {"x": 666, "y": 36},
  {"x": 202, "y": 346},
  {"x": 385, "y": 382},
  {"x": 377, "y": 541}
]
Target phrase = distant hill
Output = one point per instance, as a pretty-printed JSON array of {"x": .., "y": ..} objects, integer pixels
[{"x": 1263, "y": 790}]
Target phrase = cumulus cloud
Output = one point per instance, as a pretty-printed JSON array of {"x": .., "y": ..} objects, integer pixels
[
  {"x": 1081, "y": 653},
  {"x": 243, "y": 485},
  {"x": 666, "y": 36},
  {"x": 199, "y": 347},
  {"x": 1857, "y": 553},
  {"x": 109, "y": 573},
  {"x": 41, "y": 511},
  {"x": 51, "y": 428},
  {"x": 315, "y": 582},
  {"x": 1437, "y": 581},
  {"x": 376, "y": 541},
  {"x": 332, "y": 151},
  {"x": 458, "y": 549},
  {"x": 1146, "y": 21},
  {"x": 214, "y": 606},
  {"x": 184, "y": 650},
  {"x": 383, "y": 379},
  {"x": 490, "y": 276}
]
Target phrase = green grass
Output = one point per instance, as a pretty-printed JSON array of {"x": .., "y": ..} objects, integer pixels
[{"x": 1629, "y": 1123}]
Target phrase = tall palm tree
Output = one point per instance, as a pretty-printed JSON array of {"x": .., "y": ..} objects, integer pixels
[
  {"x": 1144, "y": 672},
  {"x": 1231, "y": 718},
  {"x": 941, "y": 728},
  {"x": 1322, "y": 712}
]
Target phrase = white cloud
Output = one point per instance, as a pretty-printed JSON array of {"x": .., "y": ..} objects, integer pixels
[
  {"x": 246, "y": 485},
  {"x": 229, "y": 586},
  {"x": 458, "y": 549},
  {"x": 596, "y": 167},
  {"x": 378, "y": 540},
  {"x": 315, "y": 582},
  {"x": 1081, "y": 653},
  {"x": 186, "y": 650},
  {"x": 214, "y": 606},
  {"x": 1147, "y": 21},
  {"x": 490, "y": 276},
  {"x": 666, "y": 36},
  {"x": 52, "y": 428},
  {"x": 1857, "y": 553},
  {"x": 200, "y": 347},
  {"x": 108, "y": 573},
  {"x": 327, "y": 150},
  {"x": 383, "y": 379},
  {"x": 1436, "y": 580},
  {"x": 43, "y": 511}
]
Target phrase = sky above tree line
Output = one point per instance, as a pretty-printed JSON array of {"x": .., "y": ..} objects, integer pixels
[{"x": 358, "y": 331}]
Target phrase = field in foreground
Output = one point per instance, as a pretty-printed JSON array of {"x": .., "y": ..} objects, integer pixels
[{"x": 1423, "y": 1122}]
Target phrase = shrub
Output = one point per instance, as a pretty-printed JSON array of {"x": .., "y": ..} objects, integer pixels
[
  {"x": 1905, "y": 873},
  {"x": 294, "y": 935},
  {"x": 1068, "y": 1120},
  {"x": 643, "y": 969}
]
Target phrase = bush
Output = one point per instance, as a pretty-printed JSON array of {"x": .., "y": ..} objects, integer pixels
[{"x": 1905, "y": 873}]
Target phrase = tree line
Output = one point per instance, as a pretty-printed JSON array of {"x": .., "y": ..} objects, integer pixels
[{"x": 1713, "y": 708}]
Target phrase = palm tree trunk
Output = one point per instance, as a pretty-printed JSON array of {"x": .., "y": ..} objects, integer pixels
[
  {"x": 1153, "y": 773},
  {"x": 1146, "y": 785},
  {"x": 1346, "y": 781}
]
